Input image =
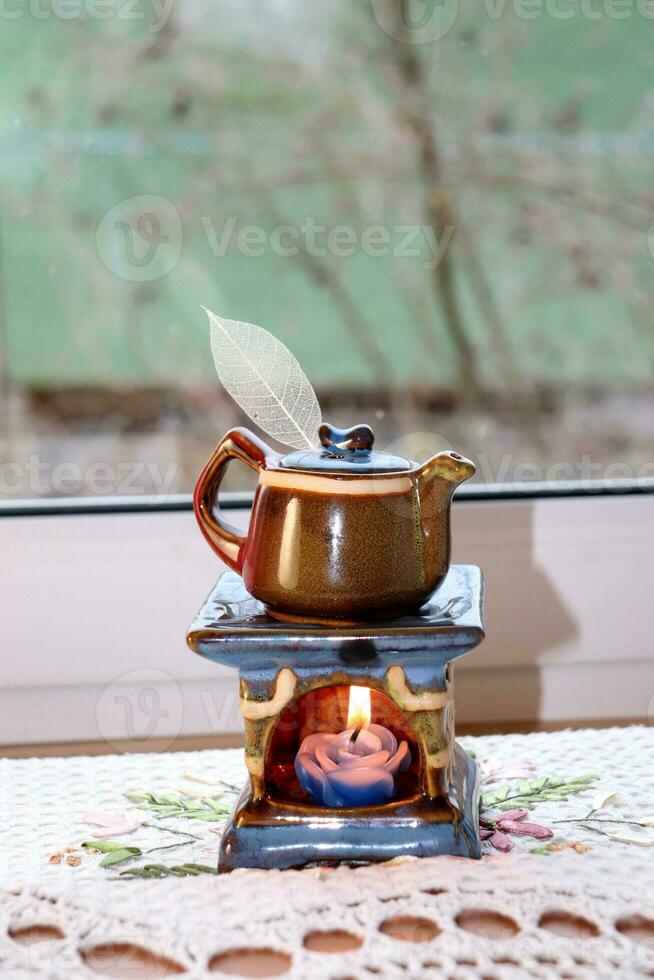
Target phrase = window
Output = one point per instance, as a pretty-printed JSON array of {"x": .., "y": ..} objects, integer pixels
[{"x": 443, "y": 209}]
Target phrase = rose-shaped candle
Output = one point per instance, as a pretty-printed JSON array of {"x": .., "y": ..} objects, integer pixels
[{"x": 357, "y": 767}]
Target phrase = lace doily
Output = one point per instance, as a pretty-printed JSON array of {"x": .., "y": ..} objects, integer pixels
[{"x": 555, "y": 914}]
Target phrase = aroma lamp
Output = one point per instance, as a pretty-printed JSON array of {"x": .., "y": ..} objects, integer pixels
[{"x": 382, "y": 691}]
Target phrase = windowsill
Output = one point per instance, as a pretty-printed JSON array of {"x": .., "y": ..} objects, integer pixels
[{"x": 567, "y": 618}]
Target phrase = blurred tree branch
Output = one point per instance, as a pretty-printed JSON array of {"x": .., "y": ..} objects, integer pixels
[{"x": 414, "y": 115}]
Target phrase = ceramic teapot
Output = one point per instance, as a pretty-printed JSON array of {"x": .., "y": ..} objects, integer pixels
[{"x": 343, "y": 534}]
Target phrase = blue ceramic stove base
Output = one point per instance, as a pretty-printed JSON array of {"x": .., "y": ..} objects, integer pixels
[
  {"x": 405, "y": 662},
  {"x": 274, "y": 834}
]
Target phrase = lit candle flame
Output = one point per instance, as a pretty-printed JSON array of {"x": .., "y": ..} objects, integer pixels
[{"x": 358, "y": 711}]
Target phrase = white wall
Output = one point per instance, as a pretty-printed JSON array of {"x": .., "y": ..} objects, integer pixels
[{"x": 95, "y": 609}]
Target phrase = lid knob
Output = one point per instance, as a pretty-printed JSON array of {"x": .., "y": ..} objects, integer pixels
[{"x": 340, "y": 441}]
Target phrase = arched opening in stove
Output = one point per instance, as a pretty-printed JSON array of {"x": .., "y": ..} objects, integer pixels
[{"x": 326, "y": 710}]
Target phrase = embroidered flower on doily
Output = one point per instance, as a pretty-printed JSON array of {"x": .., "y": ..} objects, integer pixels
[
  {"x": 494, "y": 768},
  {"x": 496, "y": 831},
  {"x": 115, "y": 824}
]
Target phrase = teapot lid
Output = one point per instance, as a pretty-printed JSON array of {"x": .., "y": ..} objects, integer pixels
[{"x": 345, "y": 451}]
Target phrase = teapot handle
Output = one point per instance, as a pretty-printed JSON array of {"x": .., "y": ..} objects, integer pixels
[{"x": 223, "y": 538}]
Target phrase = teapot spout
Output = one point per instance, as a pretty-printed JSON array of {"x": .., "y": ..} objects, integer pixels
[
  {"x": 449, "y": 467},
  {"x": 435, "y": 482}
]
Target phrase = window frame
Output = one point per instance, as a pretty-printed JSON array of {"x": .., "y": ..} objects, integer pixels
[{"x": 137, "y": 504}]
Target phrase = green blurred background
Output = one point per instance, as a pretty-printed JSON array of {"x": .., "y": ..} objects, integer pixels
[{"x": 139, "y": 142}]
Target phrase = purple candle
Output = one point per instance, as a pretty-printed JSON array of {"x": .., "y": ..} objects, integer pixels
[{"x": 356, "y": 767}]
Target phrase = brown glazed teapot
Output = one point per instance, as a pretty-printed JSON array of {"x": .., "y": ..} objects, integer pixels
[{"x": 345, "y": 534}]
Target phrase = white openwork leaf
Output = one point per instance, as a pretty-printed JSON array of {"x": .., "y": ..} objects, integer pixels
[{"x": 266, "y": 381}]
